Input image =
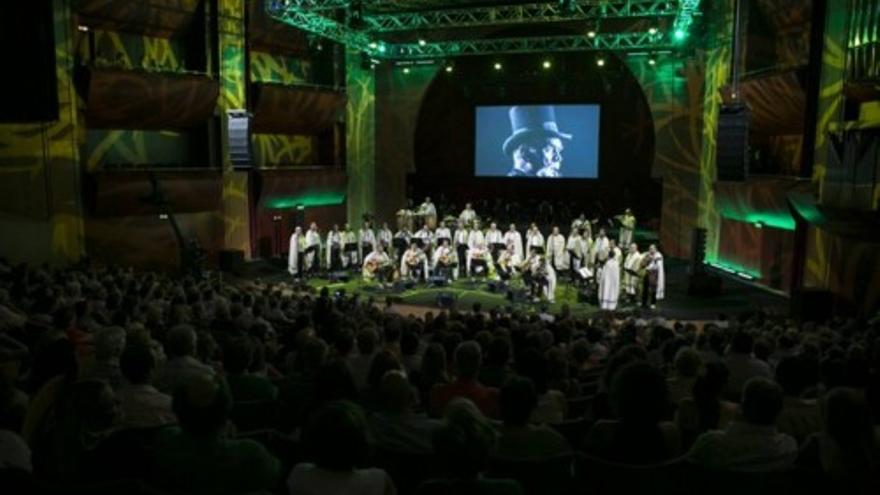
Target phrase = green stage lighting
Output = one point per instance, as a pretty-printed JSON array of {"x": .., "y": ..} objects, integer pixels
[
  {"x": 547, "y": 64},
  {"x": 600, "y": 62},
  {"x": 652, "y": 31},
  {"x": 448, "y": 68},
  {"x": 422, "y": 42},
  {"x": 680, "y": 34},
  {"x": 406, "y": 70},
  {"x": 497, "y": 65}
]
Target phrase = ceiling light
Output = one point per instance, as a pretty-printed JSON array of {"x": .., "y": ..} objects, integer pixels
[
  {"x": 497, "y": 65},
  {"x": 422, "y": 42},
  {"x": 448, "y": 68},
  {"x": 547, "y": 64},
  {"x": 591, "y": 33},
  {"x": 600, "y": 62},
  {"x": 653, "y": 30}
]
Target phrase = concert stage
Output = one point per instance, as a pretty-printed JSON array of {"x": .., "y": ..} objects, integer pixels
[{"x": 737, "y": 296}]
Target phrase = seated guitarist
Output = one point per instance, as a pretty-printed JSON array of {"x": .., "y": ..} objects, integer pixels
[{"x": 378, "y": 266}]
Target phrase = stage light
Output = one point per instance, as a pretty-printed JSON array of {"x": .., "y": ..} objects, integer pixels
[
  {"x": 652, "y": 61},
  {"x": 680, "y": 34},
  {"x": 373, "y": 45},
  {"x": 591, "y": 34},
  {"x": 422, "y": 42},
  {"x": 406, "y": 70},
  {"x": 382, "y": 48},
  {"x": 448, "y": 68},
  {"x": 653, "y": 30},
  {"x": 83, "y": 28},
  {"x": 497, "y": 65},
  {"x": 759, "y": 225},
  {"x": 600, "y": 62},
  {"x": 547, "y": 64}
]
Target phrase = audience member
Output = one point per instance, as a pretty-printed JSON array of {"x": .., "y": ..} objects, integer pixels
[
  {"x": 742, "y": 365},
  {"x": 182, "y": 364},
  {"x": 244, "y": 386},
  {"x": 142, "y": 405},
  {"x": 468, "y": 359},
  {"x": 519, "y": 439},
  {"x": 396, "y": 426}
]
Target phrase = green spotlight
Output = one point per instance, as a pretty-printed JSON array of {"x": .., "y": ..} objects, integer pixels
[
  {"x": 547, "y": 64},
  {"x": 382, "y": 48},
  {"x": 680, "y": 34},
  {"x": 373, "y": 45},
  {"x": 652, "y": 61},
  {"x": 448, "y": 68},
  {"x": 600, "y": 62},
  {"x": 422, "y": 42},
  {"x": 653, "y": 30},
  {"x": 497, "y": 65},
  {"x": 591, "y": 34},
  {"x": 406, "y": 70}
]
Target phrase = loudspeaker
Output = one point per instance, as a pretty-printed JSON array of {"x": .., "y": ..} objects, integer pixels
[
  {"x": 704, "y": 284},
  {"x": 232, "y": 261},
  {"x": 732, "y": 143},
  {"x": 698, "y": 250},
  {"x": 340, "y": 277},
  {"x": 815, "y": 305},
  {"x": 445, "y": 300},
  {"x": 238, "y": 134},
  {"x": 30, "y": 84}
]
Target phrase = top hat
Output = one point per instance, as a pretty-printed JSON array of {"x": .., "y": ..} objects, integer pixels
[{"x": 529, "y": 122}]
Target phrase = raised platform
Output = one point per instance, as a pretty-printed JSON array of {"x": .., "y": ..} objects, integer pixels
[{"x": 735, "y": 297}]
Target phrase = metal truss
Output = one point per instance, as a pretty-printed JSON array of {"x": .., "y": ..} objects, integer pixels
[
  {"x": 517, "y": 14},
  {"x": 607, "y": 42},
  {"x": 684, "y": 17},
  {"x": 308, "y": 16}
]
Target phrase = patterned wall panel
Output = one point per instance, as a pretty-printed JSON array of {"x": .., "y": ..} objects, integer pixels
[
  {"x": 282, "y": 69},
  {"x": 160, "y": 18},
  {"x": 39, "y": 174},
  {"x": 129, "y": 51},
  {"x": 282, "y": 150},
  {"x": 360, "y": 138},
  {"x": 118, "y": 147}
]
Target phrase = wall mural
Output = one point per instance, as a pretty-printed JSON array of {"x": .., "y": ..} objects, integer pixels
[
  {"x": 39, "y": 175},
  {"x": 360, "y": 139}
]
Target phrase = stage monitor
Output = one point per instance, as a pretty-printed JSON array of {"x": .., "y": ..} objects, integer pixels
[{"x": 537, "y": 141}]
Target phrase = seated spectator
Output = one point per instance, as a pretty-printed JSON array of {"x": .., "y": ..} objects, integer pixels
[
  {"x": 497, "y": 370},
  {"x": 751, "y": 443},
  {"x": 706, "y": 409},
  {"x": 142, "y": 405},
  {"x": 847, "y": 450},
  {"x": 639, "y": 400},
  {"x": 601, "y": 407},
  {"x": 53, "y": 370},
  {"x": 468, "y": 359},
  {"x": 336, "y": 439},
  {"x": 742, "y": 365},
  {"x": 396, "y": 426},
  {"x": 799, "y": 417},
  {"x": 409, "y": 351},
  {"x": 464, "y": 444},
  {"x": 432, "y": 372},
  {"x": 14, "y": 452},
  {"x": 244, "y": 386},
  {"x": 197, "y": 458},
  {"x": 519, "y": 439},
  {"x": 109, "y": 344},
  {"x": 552, "y": 405},
  {"x": 559, "y": 375},
  {"x": 13, "y": 402},
  {"x": 367, "y": 341},
  {"x": 182, "y": 365},
  {"x": 686, "y": 364}
]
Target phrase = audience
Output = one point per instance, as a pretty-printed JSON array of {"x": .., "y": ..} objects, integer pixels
[
  {"x": 752, "y": 442},
  {"x": 199, "y": 457},
  {"x": 86, "y": 390},
  {"x": 336, "y": 439},
  {"x": 519, "y": 438}
]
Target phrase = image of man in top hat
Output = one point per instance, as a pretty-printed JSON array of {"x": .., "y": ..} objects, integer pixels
[{"x": 535, "y": 144}]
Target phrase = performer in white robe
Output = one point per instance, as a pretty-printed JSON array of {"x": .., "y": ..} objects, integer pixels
[
  {"x": 297, "y": 243},
  {"x": 467, "y": 216},
  {"x": 599, "y": 250},
  {"x": 654, "y": 281},
  {"x": 400, "y": 242},
  {"x": 479, "y": 255},
  {"x": 577, "y": 250},
  {"x": 442, "y": 232},
  {"x": 627, "y": 228},
  {"x": 494, "y": 240},
  {"x": 312, "y": 251},
  {"x": 579, "y": 222},
  {"x": 550, "y": 288},
  {"x": 426, "y": 237},
  {"x": 366, "y": 240},
  {"x": 514, "y": 243},
  {"x": 378, "y": 266},
  {"x": 414, "y": 263},
  {"x": 428, "y": 212},
  {"x": 385, "y": 236},
  {"x": 333, "y": 249},
  {"x": 462, "y": 235},
  {"x": 445, "y": 261},
  {"x": 534, "y": 239},
  {"x": 557, "y": 256},
  {"x": 609, "y": 283},
  {"x": 476, "y": 236},
  {"x": 350, "y": 251},
  {"x": 506, "y": 265},
  {"x": 632, "y": 267}
]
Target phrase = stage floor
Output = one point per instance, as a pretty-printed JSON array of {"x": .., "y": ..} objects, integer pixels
[{"x": 736, "y": 297}]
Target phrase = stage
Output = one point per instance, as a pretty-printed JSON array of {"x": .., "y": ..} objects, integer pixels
[{"x": 737, "y": 296}]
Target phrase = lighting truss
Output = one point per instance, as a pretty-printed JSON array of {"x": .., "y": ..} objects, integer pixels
[
  {"x": 608, "y": 42},
  {"x": 516, "y": 14},
  {"x": 308, "y": 15},
  {"x": 684, "y": 17}
]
